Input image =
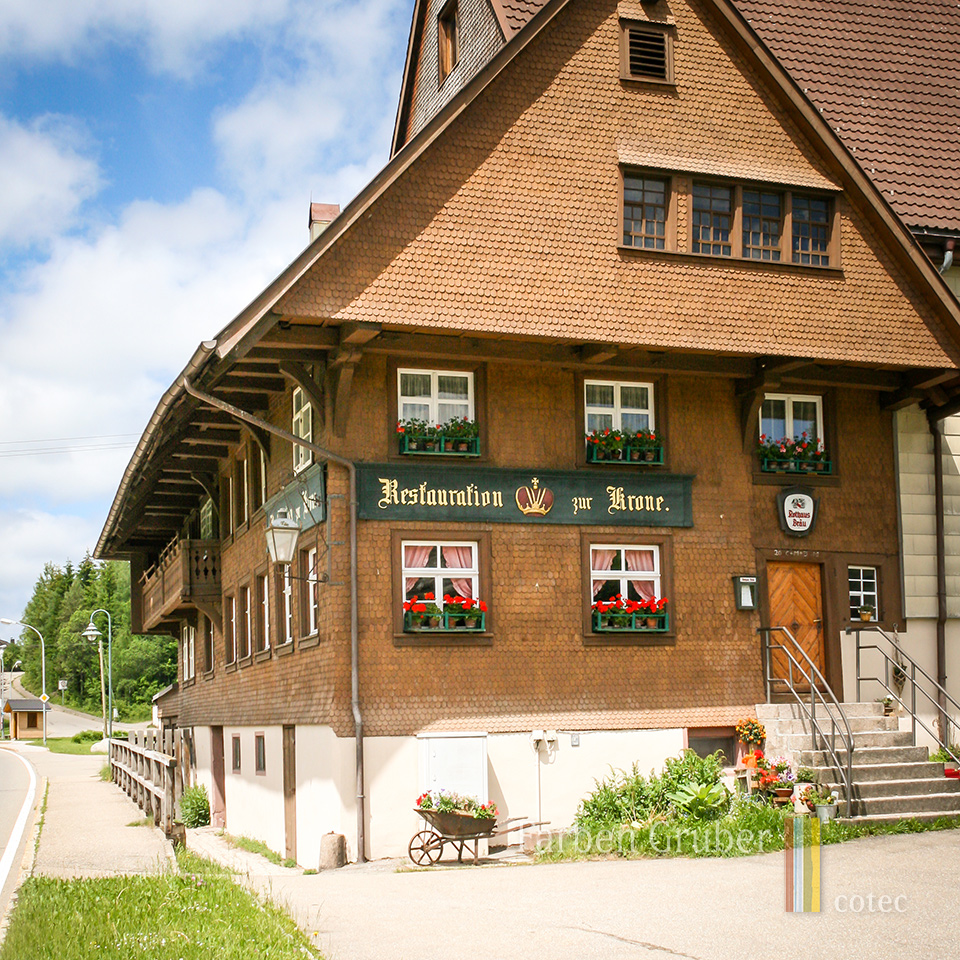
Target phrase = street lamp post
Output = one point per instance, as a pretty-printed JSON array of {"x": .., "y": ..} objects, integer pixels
[
  {"x": 3, "y": 644},
  {"x": 90, "y": 633},
  {"x": 43, "y": 668}
]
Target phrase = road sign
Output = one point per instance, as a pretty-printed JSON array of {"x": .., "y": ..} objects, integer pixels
[
  {"x": 62, "y": 685},
  {"x": 44, "y": 698}
]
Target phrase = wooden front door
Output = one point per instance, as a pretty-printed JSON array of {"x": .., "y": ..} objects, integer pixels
[
  {"x": 290, "y": 791},
  {"x": 796, "y": 602}
]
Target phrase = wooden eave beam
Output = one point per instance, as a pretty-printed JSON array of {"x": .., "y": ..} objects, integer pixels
[
  {"x": 208, "y": 483},
  {"x": 252, "y": 367},
  {"x": 253, "y": 383},
  {"x": 339, "y": 379},
  {"x": 358, "y": 333},
  {"x": 300, "y": 335},
  {"x": 302, "y": 354},
  {"x": 212, "y": 435},
  {"x": 246, "y": 401},
  {"x": 197, "y": 448},
  {"x": 261, "y": 438},
  {"x": 305, "y": 380},
  {"x": 598, "y": 352}
]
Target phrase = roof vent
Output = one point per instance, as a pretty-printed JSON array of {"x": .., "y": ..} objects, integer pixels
[
  {"x": 648, "y": 53},
  {"x": 321, "y": 216}
]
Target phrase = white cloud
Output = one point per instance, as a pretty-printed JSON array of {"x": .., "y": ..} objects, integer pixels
[
  {"x": 32, "y": 538},
  {"x": 175, "y": 34},
  {"x": 44, "y": 177}
]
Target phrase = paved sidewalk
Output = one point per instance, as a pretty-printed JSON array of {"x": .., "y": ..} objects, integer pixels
[
  {"x": 86, "y": 830},
  {"x": 709, "y": 909}
]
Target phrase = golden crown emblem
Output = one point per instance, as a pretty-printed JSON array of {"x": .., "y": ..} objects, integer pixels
[{"x": 534, "y": 500}]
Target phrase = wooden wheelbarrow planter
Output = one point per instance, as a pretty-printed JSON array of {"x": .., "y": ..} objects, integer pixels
[{"x": 458, "y": 829}]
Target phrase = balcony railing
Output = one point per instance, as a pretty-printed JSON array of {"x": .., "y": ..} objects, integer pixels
[{"x": 187, "y": 571}]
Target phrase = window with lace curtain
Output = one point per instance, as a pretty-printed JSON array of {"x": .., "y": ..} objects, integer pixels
[
  {"x": 440, "y": 568},
  {"x": 632, "y": 572}
]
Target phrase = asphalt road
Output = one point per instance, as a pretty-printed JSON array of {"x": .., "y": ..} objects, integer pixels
[{"x": 17, "y": 787}]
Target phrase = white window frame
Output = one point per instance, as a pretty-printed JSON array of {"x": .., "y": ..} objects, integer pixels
[
  {"x": 245, "y": 476},
  {"x": 262, "y": 583},
  {"x": 302, "y": 427},
  {"x": 313, "y": 593},
  {"x": 624, "y": 575},
  {"x": 231, "y": 625},
  {"x": 790, "y": 399},
  {"x": 232, "y": 503},
  {"x": 287, "y": 605},
  {"x": 617, "y": 410},
  {"x": 188, "y": 635},
  {"x": 439, "y": 573},
  {"x": 246, "y": 620},
  {"x": 263, "y": 477},
  {"x": 434, "y": 399},
  {"x": 871, "y": 599}
]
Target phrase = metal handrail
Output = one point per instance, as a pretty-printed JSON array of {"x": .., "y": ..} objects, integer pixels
[
  {"x": 914, "y": 686},
  {"x": 811, "y": 677}
]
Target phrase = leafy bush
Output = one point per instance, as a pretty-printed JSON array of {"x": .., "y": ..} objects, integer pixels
[
  {"x": 195, "y": 807},
  {"x": 626, "y": 798},
  {"x": 87, "y": 736},
  {"x": 701, "y": 801}
]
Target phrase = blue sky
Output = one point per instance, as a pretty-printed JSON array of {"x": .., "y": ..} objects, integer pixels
[{"x": 157, "y": 159}]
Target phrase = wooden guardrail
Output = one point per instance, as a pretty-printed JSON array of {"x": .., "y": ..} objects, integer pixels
[{"x": 148, "y": 769}]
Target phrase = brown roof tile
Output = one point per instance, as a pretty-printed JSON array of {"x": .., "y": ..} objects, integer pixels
[{"x": 883, "y": 73}]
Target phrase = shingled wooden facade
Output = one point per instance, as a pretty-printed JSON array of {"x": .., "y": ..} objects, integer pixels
[{"x": 700, "y": 251}]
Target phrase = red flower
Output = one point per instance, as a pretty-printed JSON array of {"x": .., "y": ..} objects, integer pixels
[
  {"x": 400, "y": 427},
  {"x": 419, "y": 608},
  {"x": 428, "y": 596},
  {"x": 483, "y": 607}
]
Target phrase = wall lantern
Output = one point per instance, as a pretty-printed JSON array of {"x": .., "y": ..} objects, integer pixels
[
  {"x": 745, "y": 592},
  {"x": 282, "y": 534}
]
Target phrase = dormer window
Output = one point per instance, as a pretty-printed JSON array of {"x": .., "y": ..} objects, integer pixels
[{"x": 448, "y": 39}]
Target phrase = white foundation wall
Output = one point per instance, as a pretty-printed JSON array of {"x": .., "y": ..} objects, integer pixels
[
  {"x": 919, "y": 641},
  {"x": 203, "y": 752},
  {"x": 543, "y": 783},
  {"x": 254, "y": 801}
]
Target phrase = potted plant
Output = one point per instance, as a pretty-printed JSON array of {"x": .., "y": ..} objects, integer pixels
[
  {"x": 419, "y": 614},
  {"x": 655, "y": 618},
  {"x": 460, "y": 435},
  {"x": 595, "y": 446},
  {"x": 888, "y": 706},
  {"x": 826, "y": 803},
  {"x": 473, "y": 611},
  {"x": 412, "y": 434},
  {"x": 751, "y": 733},
  {"x": 866, "y": 611}
]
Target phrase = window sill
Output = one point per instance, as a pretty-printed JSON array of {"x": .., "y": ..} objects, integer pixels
[
  {"x": 189, "y": 682},
  {"x": 209, "y": 674},
  {"x": 312, "y": 641},
  {"x": 231, "y": 667},
  {"x": 749, "y": 262},
  {"x": 262, "y": 655},
  {"x": 285, "y": 648},
  {"x": 245, "y": 661},
  {"x": 641, "y": 83},
  {"x": 629, "y": 639},
  {"x": 443, "y": 638}
]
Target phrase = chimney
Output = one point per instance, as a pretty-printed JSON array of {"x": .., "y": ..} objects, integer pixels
[{"x": 321, "y": 216}]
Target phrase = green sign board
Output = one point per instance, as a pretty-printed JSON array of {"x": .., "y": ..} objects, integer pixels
[{"x": 428, "y": 492}]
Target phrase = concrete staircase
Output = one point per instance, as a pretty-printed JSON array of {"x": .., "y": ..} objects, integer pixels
[{"x": 892, "y": 779}]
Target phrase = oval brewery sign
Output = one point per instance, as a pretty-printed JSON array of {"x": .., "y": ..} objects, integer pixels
[{"x": 797, "y": 508}]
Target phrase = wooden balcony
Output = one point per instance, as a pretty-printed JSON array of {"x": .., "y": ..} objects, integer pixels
[{"x": 187, "y": 575}]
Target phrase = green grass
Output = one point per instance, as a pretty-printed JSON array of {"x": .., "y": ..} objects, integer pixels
[
  {"x": 68, "y": 745},
  {"x": 255, "y": 846},
  {"x": 749, "y": 828},
  {"x": 197, "y": 914}
]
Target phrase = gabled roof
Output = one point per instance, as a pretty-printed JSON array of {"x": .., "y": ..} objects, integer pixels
[
  {"x": 26, "y": 706},
  {"x": 214, "y": 360},
  {"x": 515, "y": 14},
  {"x": 884, "y": 75}
]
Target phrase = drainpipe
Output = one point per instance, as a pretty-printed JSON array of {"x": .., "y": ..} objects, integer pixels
[
  {"x": 947, "y": 256},
  {"x": 936, "y": 431},
  {"x": 354, "y": 620}
]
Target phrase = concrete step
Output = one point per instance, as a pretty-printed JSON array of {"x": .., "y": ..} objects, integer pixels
[
  {"x": 865, "y": 755},
  {"x": 787, "y": 727},
  {"x": 945, "y": 804},
  {"x": 788, "y": 711},
  {"x": 870, "y": 789},
  {"x": 881, "y": 772},
  {"x": 928, "y": 817},
  {"x": 801, "y": 741}
]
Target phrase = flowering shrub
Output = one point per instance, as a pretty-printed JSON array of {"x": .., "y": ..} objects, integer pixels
[
  {"x": 751, "y": 730},
  {"x": 446, "y": 801},
  {"x": 802, "y": 448},
  {"x": 458, "y": 606},
  {"x": 421, "y": 610},
  {"x": 606, "y": 439},
  {"x": 618, "y": 606}
]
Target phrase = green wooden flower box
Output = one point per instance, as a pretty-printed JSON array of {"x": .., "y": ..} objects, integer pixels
[
  {"x": 631, "y": 622},
  {"x": 439, "y": 445},
  {"x": 637, "y": 456},
  {"x": 445, "y": 623},
  {"x": 807, "y": 467}
]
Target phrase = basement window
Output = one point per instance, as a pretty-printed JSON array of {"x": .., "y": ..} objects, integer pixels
[
  {"x": 448, "y": 39},
  {"x": 646, "y": 52}
]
